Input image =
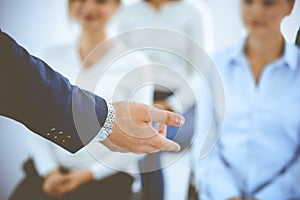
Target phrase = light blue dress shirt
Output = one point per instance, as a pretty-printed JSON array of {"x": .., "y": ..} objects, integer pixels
[{"x": 261, "y": 132}]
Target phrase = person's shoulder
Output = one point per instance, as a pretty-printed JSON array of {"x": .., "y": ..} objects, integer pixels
[{"x": 224, "y": 54}]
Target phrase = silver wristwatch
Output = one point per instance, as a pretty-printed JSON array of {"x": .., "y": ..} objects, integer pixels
[{"x": 107, "y": 127}]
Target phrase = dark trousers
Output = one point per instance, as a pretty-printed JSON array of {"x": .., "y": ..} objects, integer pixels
[
  {"x": 115, "y": 187},
  {"x": 153, "y": 182}
]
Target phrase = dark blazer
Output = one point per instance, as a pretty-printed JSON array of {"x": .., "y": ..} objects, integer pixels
[{"x": 44, "y": 101}]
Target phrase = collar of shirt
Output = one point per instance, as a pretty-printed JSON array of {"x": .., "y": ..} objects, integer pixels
[{"x": 288, "y": 58}]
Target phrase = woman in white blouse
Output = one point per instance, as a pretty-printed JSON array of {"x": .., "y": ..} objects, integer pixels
[
  {"x": 182, "y": 17},
  {"x": 94, "y": 172},
  {"x": 190, "y": 20}
]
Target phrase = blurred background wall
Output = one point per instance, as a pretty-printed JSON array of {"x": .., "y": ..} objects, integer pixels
[{"x": 38, "y": 24}]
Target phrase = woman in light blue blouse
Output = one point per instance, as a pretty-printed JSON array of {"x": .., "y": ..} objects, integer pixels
[{"x": 257, "y": 156}]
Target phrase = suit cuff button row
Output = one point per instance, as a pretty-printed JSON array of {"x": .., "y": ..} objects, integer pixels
[{"x": 58, "y": 135}]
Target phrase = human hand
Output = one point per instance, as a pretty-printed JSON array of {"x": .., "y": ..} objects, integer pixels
[
  {"x": 75, "y": 179},
  {"x": 133, "y": 131},
  {"x": 55, "y": 184}
]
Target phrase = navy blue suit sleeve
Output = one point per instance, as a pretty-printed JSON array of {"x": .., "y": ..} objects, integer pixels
[{"x": 44, "y": 101}]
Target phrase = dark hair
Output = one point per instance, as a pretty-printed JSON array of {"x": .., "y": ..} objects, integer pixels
[{"x": 297, "y": 40}]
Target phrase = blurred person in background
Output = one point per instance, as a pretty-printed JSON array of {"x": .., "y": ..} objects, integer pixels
[
  {"x": 257, "y": 156},
  {"x": 186, "y": 19},
  {"x": 55, "y": 173}
]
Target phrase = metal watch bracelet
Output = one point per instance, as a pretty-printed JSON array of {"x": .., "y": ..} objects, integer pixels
[{"x": 107, "y": 127}]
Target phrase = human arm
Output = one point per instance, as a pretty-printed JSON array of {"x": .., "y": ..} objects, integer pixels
[
  {"x": 45, "y": 102},
  {"x": 58, "y": 184},
  {"x": 43, "y": 155},
  {"x": 41, "y": 99},
  {"x": 213, "y": 180},
  {"x": 285, "y": 185}
]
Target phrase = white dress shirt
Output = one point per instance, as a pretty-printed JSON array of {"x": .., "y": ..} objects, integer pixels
[
  {"x": 178, "y": 16},
  {"x": 95, "y": 157},
  {"x": 261, "y": 132}
]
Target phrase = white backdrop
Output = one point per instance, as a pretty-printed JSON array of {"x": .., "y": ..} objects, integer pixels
[{"x": 37, "y": 24}]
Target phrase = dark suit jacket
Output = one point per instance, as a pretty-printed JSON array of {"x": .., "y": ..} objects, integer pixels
[{"x": 44, "y": 101}]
